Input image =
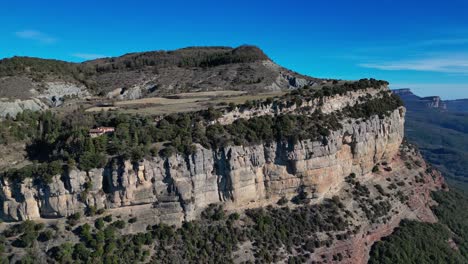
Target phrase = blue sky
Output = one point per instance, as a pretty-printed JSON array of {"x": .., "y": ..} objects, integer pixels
[{"x": 417, "y": 44}]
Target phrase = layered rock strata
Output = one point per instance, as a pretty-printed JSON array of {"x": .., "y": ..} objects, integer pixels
[{"x": 179, "y": 187}]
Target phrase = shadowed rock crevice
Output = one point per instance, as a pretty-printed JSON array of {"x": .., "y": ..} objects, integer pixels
[{"x": 222, "y": 170}]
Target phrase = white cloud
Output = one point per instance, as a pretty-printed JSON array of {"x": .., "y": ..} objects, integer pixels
[
  {"x": 456, "y": 64},
  {"x": 36, "y": 35},
  {"x": 88, "y": 56}
]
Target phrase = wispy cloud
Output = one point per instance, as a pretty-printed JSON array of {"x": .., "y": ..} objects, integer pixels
[
  {"x": 88, "y": 56},
  {"x": 416, "y": 46},
  {"x": 455, "y": 64},
  {"x": 36, "y": 36}
]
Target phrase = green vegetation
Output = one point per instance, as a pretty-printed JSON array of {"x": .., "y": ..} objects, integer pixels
[
  {"x": 187, "y": 57},
  {"x": 120, "y": 224},
  {"x": 452, "y": 211},
  {"x": 274, "y": 232},
  {"x": 25, "y": 233},
  {"x": 416, "y": 242},
  {"x": 308, "y": 93},
  {"x": 382, "y": 107},
  {"x": 99, "y": 223},
  {"x": 40, "y": 69},
  {"x": 375, "y": 211},
  {"x": 217, "y": 236},
  {"x": 375, "y": 169},
  {"x": 282, "y": 201},
  {"x": 73, "y": 219},
  {"x": 43, "y": 172}
]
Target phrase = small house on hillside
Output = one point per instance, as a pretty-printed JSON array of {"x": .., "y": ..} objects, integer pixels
[{"x": 99, "y": 131}]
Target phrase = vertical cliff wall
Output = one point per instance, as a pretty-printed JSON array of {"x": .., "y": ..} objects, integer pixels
[{"x": 179, "y": 187}]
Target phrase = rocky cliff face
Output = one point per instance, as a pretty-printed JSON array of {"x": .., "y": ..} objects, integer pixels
[{"x": 179, "y": 188}]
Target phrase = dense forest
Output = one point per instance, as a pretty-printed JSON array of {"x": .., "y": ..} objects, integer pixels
[{"x": 420, "y": 243}]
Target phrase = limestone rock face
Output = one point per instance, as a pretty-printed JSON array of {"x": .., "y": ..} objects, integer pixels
[
  {"x": 56, "y": 91},
  {"x": 35, "y": 99},
  {"x": 179, "y": 187}
]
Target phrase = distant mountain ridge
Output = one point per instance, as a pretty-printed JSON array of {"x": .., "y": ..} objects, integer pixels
[
  {"x": 458, "y": 105},
  {"x": 440, "y": 129},
  {"x": 415, "y": 102}
]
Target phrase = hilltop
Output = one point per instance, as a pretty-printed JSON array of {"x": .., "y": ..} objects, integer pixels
[{"x": 41, "y": 83}]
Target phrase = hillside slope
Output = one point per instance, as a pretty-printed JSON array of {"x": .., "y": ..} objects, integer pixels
[{"x": 39, "y": 83}]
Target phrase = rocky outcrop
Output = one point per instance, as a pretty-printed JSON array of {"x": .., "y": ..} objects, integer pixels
[
  {"x": 39, "y": 99},
  {"x": 434, "y": 102},
  {"x": 326, "y": 105},
  {"x": 180, "y": 187},
  {"x": 13, "y": 107},
  {"x": 56, "y": 92}
]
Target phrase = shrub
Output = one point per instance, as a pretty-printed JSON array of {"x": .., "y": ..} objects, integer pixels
[
  {"x": 234, "y": 216},
  {"x": 282, "y": 201},
  {"x": 99, "y": 223},
  {"x": 73, "y": 219},
  {"x": 375, "y": 169},
  {"x": 120, "y": 224},
  {"x": 45, "y": 236},
  {"x": 108, "y": 218}
]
